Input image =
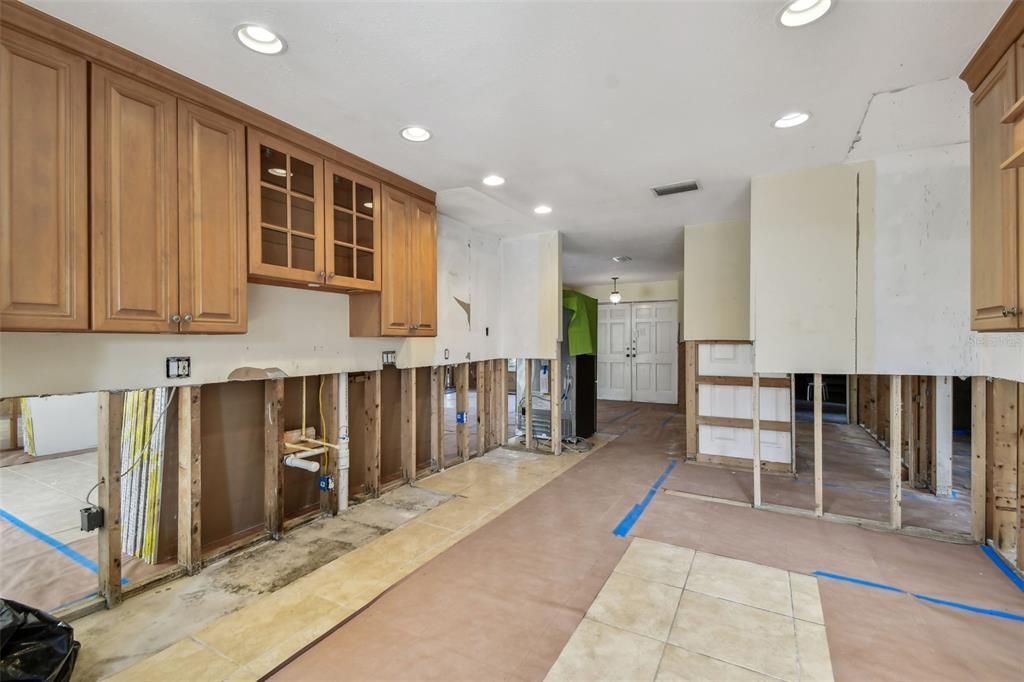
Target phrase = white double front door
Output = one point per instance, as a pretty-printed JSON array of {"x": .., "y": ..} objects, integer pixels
[{"x": 637, "y": 351}]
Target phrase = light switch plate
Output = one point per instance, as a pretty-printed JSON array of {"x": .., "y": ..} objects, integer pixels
[{"x": 179, "y": 367}]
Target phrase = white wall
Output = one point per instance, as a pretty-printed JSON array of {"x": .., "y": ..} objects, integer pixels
[
  {"x": 716, "y": 281},
  {"x": 633, "y": 292},
  {"x": 306, "y": 332},
  {"x": 803, "y": 237}
]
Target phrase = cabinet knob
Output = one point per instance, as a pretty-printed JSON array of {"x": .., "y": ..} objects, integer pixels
[
  {"x": 175, "y": 318},
  {"x": 323, "y": 275},
  {"x": 330, "y": 276},
  {"x": 188, "y": 317},
  {"x": 1010, "y": 312}
]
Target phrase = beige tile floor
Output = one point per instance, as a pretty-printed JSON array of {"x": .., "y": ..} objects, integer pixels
[
  {"x": 48, "y": 494},
  {"x": 669, "y": 613},
  {"x": 248, "y": 643}
]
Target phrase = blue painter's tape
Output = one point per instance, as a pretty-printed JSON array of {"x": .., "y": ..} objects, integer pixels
[
  {"x": 77, "y": 557},
  {"x": 856, "y": 581},
  {"x": 1001, "y": 565},
  {"x": 973, "y": 609},
  {"x": 627, "y": 522},
  {"x": 995, "y": 613}
]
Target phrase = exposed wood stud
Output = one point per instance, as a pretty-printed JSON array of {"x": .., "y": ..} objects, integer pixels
[
  {"x": 436, "y": 418},
  {"x": 408, "y": 406},
  {"x": 482, "y": 413},
  {"x": 1020, "y": 476},
  {"x": 910, "y": 427},
  {"x": 503, "y": 401},
  {"x": 852, "y": 399},
  {"x": 273, "y": 446},
  {"x": 462, "y": 407},
  {"x": 556, "y": 403},
  {"x": 528, "y": 397},
  {"x": 329, "y": 498},
  {"x": 691, "y": 399},
  {"x": 978, "y": 455},
  {"x": 895, "y": 457},
  {"x": 371, "y": 412},
  {"x": 190, "y": 534},
  {"x": 756, "y": 419},
  {"x": 110, "y": 415},
  {"x": 819, "y": 501}
]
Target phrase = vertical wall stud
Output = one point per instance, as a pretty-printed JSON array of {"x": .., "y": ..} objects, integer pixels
[
  {"x": 190, "y": 535},
  {"x": 110, "y": 414},
  {"x": 332, "y": 434},
  {"x": 273, "y": 451},
  {"x": 371, "y": 409},
  {"x": 895, "y": 456},
  {"x": 910, "y": 427},
  {"x": 943, "y": 436},
  {"x": 15, "y": 433},
  {"x": 462, "y": 408},
  {"x": 979, "y": 430},
  {"x": 528, "y": 390},
  {"x": 436, "y": 418},
  {"x": 691, "y": 399},
  {"x": 503, "y": 402},
  {"x": 482, "y": 416},
  {"x": 408, "y": 401},
  {"x": 852, "y": 399},
  {"x": 819, "y": 496},
  {"x": 755, "y": 413},
  {"x": 555, "y": 384}
]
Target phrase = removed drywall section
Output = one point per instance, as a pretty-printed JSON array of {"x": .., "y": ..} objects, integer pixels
[
  {"x": 803, "y": 245},
  {"x": 663, "y": 290},
  {"x": 716, "y": 281},
  {"x": 61, "y": 423},
  {"x": 530, "y": 310}
]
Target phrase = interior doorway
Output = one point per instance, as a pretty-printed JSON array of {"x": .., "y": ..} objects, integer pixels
[{"x": 637, "y": 351}]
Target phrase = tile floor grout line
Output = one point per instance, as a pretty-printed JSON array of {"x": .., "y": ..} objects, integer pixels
[
  {"x": 675, "y": 613},
  {"x": 796, "y": 637}
]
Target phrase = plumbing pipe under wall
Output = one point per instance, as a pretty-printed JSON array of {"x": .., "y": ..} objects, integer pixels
[
  {"x": 299, "y": 463},
  {"x": 342, "y": 436}
]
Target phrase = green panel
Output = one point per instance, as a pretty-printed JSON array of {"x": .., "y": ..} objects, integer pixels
[{"x": 583, "y": 325}]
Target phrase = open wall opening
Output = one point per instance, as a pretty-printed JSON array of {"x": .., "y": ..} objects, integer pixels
[
  {"x": 390, "y": 427},
  {"x": 450, "y": 449},
  {"x": 304, "y": 412},
  {"x": 423, "y": 419}
]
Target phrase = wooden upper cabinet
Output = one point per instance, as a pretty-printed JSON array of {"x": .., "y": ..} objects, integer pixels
[
  {"x": 994, "y": 195},
  {"x": 286, "y": 211},
  {"x": 44, "y": 233},
  {"x": 211, "y": 218},
  {"x": 395, "y": 300},
  {"x": 134, "y": 205},
  {"x": 423, "y": 247},
  {"x": 353, "y": 240}
]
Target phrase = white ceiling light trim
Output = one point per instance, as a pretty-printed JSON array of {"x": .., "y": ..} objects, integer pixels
[
  {"x": 416, "y": 133},
  {"x": 494, "y": 181},
  {"x": 802, "y": 12},
  {"x": 792, "y": 119},
  {"x": 542, "y": 210},
  {"x": 260, "y": 39}
]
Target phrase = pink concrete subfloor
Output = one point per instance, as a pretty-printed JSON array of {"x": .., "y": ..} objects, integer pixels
[{"x": 503, "y": 602}]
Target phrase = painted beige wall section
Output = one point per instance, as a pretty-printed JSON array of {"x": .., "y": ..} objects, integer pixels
[
  {"x": 664, "y": 290},
  {"x": 531, "y": 296},
  {"x": 716, "y": 282},
  {"x": 803, "y": 236}
]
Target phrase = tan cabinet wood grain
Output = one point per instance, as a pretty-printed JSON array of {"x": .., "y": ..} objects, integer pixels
[
  {"x": 423, "y": 291},
  {"x": 396, "y": 308},
  {"x": 211, "y": 218},
  {"x": 994, "y": 203},
  {"x": 353, "y": 229},
  {"x": 44, "y": 233},
  {"x": 134, "y": 205}
]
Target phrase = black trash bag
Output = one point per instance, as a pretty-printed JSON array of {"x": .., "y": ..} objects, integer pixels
[{"x": 34, "y": 646}]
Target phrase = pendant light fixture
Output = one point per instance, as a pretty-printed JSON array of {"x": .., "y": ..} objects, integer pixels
[{"x": 615, "y": 296}]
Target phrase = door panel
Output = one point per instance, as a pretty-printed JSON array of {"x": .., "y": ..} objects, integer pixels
[
  {"x": 134, "y": 205},
  {"x": 614, "y": 346},
  {"x": 994, "y": 287},
  {"x": 44, "y": 250},
  {"x": 211, "y": 188},
  {"x": 396, "y": 309},
  {"x": 655, "y": 351},
  {"x": 423, "y": 293}
]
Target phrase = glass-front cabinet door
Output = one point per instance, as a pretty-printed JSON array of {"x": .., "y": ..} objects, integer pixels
[
  {"x": 353, "y": 250},
  {"x": 286, "y": 211}
]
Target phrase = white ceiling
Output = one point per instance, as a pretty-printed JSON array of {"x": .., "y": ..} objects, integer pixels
[{"x": 583, "y": 106}]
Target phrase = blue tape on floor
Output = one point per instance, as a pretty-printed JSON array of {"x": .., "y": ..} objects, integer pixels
[
  {"x": 626, "y": 524},
  {"x": 77, "y": 557},
  {"x": 1001, "y": 565},
  {"x": 995, "y": 613}
]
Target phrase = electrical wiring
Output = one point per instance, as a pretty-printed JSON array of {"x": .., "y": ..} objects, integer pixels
[{"x": 144, "y": 450}]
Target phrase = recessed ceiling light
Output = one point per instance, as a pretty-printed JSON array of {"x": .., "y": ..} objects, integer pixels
[
  {"x": 542, "y": 210},
  {"x": 802, "y": 12},
  {"x": 793, "y": 119},
  {"x": 416, "y": 133},
  {"x": 494, "y": 180},
  {"x": 259, "y": 39},
  {"x": 621, "y": 259}
]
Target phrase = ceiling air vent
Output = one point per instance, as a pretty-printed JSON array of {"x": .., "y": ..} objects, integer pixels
[{"x": 676, "y": 188}]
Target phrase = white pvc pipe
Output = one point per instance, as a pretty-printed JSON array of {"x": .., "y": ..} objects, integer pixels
[{"x": 299, "y": 463}]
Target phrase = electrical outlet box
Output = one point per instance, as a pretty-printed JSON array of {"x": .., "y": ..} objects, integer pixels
[
  {"x": 445, "y": 353},
  {"x": 179, "y": 367},
  {"x": 390, "y": 357},
  {"x": 326, "y": 483},
  {"x": 92, "y": 518},
  {"x": 460, "y": 417}
]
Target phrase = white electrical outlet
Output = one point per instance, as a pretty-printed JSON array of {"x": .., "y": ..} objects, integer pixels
[{"x": 179, "y": 367}]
